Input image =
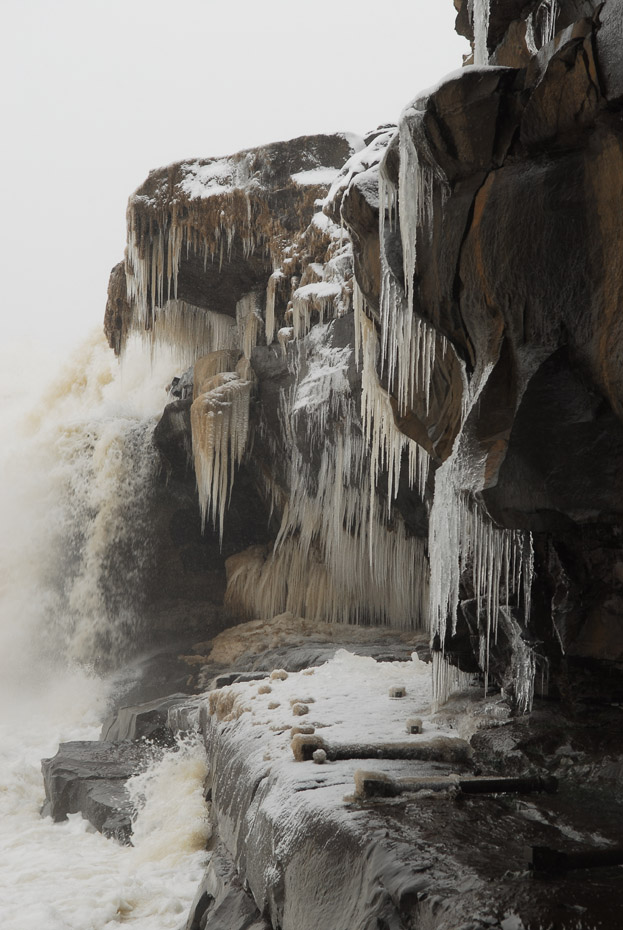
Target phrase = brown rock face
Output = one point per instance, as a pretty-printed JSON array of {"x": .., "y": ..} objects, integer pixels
[{"x": 118, "y": 311}]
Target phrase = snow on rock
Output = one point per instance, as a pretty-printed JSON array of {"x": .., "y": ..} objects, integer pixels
[
  {"x": 319, "y": 175},
  {"x": 207, "y": 179},
  {"x": 297, "y": 837},
  {"x": 325, "y": 381},
  {"x": 362, "y": 165}
]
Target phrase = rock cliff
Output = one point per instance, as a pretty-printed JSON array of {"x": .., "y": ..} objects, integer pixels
[
  {"x": 400, "y": 389},
  {"x": 411, "y": 356}
]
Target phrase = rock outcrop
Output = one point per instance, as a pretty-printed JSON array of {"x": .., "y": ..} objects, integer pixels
[{"x": 90, "y": 778}]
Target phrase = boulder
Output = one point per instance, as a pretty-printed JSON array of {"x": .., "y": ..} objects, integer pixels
[{"x": 90, "y": 777}]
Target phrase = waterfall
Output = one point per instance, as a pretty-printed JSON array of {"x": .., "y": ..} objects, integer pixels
[
  {"x": 78, "y": 498},
  {"x": 78, "y": 475}
]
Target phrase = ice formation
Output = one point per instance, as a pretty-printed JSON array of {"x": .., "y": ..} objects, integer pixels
[
  {"x": 271, "y": 294},
  {"x": 446, "y": 678},
  {"x": 220, "y": 425},
  {"x": 321, "y": 567},
  {"x": 284, "y": 336},
  {"x": 335, "y": 557},
  {"x": 206, "y": 367},
  {"x": 409, "y": 343},
  {"x": 480, "y": 21},
  {"x": 548, "y": 13},
  {"x": 189, "y": 331},
  {"x": 339, "y": 555},
  {"x": 387, "y": 443},
  {"x": 464, "y": 540},
  {"x": 321, "y": 390},
  {"x": 248, "y": 319},
  {"x": 154, "y": 247},
  {"x": 544, "y": 19},
  {"x": 319, "y": 297}
]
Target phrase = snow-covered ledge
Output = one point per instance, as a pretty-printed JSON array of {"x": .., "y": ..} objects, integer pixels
[{"x": 310, "y": 854}]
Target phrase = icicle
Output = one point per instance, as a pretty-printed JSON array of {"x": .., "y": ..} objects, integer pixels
[
  {"x": 480, "y": 25},
  {"x": 447, "y": 678},
  {"x": 248, "y": 320},
  {"x": 189, "y": 332},
  {"x": 416, "y": 187},
  {"x": 544, "y": 19},
  {"x": 285, "y": 335},
  {"x": 220, "y": 423},
  {"x": 387, "y": 443},
  {"x": 530, "y": 38},
  {"x": 320, "y": 298},
  {"x": 549, "y": 13},
  {"x": 271, "y": 293},
  {"x": 206, "y": 367},
  {"x": 462, "y": 534},
  {"x": 523, "y": 671},
  {"x": 408, "y": 343}
]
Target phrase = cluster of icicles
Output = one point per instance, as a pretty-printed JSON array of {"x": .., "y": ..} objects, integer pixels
[
  {"x": 336, "y": 558},
  {"x": 219, "y": 415},
  {"x": 153, "y": 256},
  {"x": 340, "y": 555}
]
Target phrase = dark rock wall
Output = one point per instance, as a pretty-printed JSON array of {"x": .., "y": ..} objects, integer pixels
[{"x": 523, "y": 273}]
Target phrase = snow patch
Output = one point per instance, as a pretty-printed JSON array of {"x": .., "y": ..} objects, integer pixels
[{"x": 320, "y": 175}]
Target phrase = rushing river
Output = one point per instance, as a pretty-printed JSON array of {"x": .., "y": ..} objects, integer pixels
[{"x": 75, "y": 462}]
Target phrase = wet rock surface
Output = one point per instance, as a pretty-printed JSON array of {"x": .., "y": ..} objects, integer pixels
[
  {"x": 89, "y": 777},
  {"x": 148, "y": 721},
  {"x": 221, "y": 903}
]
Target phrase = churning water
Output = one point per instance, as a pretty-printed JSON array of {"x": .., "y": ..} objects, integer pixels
[{"x": 75, "y": 467}]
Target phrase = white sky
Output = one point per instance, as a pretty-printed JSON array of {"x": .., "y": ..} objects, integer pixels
[{"x": 97, "y": 92}]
